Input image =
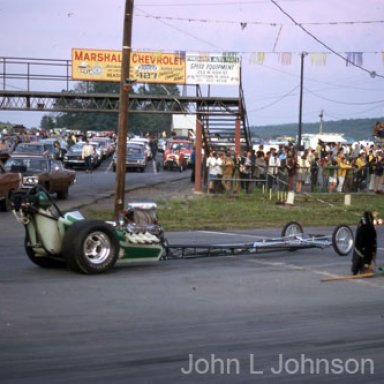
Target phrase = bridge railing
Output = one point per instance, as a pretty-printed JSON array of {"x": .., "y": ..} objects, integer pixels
[{"x": 28, "y": 73}]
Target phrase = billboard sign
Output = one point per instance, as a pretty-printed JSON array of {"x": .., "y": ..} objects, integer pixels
[
  {"x": 145, "y": 67},
  {"x": 96, "y": 65},
  {"x": 157, "y": 67},
  {"x": 213, "y": 68}
]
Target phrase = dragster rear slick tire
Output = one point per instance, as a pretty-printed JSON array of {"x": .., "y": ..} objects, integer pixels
[{"x": 90, "y": 247}]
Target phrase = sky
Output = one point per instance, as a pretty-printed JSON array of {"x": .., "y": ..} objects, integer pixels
[{"x": 269, "y": 35}]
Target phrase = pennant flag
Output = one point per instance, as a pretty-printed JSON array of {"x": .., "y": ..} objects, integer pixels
[
  {"x": 354, "y": 58},
  {"x": 257, "y": 58},
  {"x": 285, "y": 58},
  {"x": 318, "y": 58}
]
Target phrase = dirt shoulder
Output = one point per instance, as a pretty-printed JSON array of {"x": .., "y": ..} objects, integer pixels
[{"x": 158, "y": 192}]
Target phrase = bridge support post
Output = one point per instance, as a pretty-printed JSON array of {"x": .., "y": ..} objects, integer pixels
[
  {"x": 198, "y": 157},
  {"x": 237, "y": 137}
]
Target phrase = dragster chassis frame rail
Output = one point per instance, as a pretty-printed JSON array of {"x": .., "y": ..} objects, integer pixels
[{"x": 292, "y": 239}]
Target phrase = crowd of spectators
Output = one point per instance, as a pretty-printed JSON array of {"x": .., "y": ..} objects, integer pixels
[
  {"x": 61, "y": 143},
  {"x": 329, "y": 167}
]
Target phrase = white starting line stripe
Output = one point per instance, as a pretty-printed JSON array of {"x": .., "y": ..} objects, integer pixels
[{"x": 293, "y": 267}]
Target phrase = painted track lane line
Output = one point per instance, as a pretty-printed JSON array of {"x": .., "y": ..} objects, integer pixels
[{"x": 322, "y": 273}]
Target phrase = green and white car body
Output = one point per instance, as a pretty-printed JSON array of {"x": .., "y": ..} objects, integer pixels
[{"x": 54, "y": 239}]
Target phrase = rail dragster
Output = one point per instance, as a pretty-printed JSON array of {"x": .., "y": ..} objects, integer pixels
[{"x": 56, "y": 239}]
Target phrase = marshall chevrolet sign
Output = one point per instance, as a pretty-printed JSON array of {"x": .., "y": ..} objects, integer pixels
[
  {"x": 96, "y": 65},
  {"x": 156, "y": 67},
  {"x": 145, "y": 67}
]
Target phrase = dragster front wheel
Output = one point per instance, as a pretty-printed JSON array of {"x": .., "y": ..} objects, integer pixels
[
  {"x": 342, "y": 240},
  {"x": 90, "y": 246},
  {"x": 291, "y": 229}
]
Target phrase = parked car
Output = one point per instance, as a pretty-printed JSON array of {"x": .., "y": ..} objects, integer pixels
[
  {"x": 73, "y": 157},
  {"x": 145, "y": 142},
  {"x": 34, "y": 147},
  {"x": 177, "y": 154},
  {"x": 9, "y": 182},
  {"x": 55, "y": 152},
  {"x": 135, "y": 158},
  {"x": 4, "y": 156},
  {"x": 42, "y": 170},
  {"x": 161, "y": 145},
  {"x": 49, "y": 147},
  {"x": 4, "y": 151},
  {"x": 99, "y": 152},
  {"x": 106, "y": 144}
]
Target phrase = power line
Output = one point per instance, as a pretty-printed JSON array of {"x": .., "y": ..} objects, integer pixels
[
  {"x": 344, "y": 102},
  {"x": 338, "y": 115},
  {"x": 289, "y": 93},
  {"x": 245, "y": 23},
  {"x": 371, "y": 73},
  {"x": 209, "y": 4},
  {"x": 315, "y": 80},
  {"x": 162, "y": 19},
  {"x": 340, "y": 85},
  {"x": 186, "y": 33},
  {"x": 332, "y": 87}
]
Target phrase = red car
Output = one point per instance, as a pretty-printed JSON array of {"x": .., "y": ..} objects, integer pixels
[
  {"x": 177, "y": 154},
  {"x": 9, "y": 182}
]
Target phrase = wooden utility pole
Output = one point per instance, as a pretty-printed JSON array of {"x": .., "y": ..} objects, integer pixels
[
  {"x": 122, "y": 132},
  {"x": 321, "y": 122},
  {"x": 301, "y": 101}
]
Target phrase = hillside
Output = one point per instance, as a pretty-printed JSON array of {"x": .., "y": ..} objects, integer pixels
[{"x": 359, "y": 129}]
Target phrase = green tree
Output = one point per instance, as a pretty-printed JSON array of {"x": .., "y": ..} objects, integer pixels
[
  {"x": 47, "y": 122},
  {"x": 138, "y": 123},
  {"x": 85, "y": 121},
  {"x": 156, "y": 123}
]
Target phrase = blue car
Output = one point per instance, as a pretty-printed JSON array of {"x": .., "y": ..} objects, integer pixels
[{"x": 135, "y": 158}]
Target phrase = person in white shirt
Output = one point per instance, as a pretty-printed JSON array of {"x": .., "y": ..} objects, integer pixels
[
  {"x": 86, "y": 154},
  {"x": 302, "y": 170},
  {"x": 219, "y": 173},
  {"x": 212, "y": 170},
  {"x": 273, "y": 168}
]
